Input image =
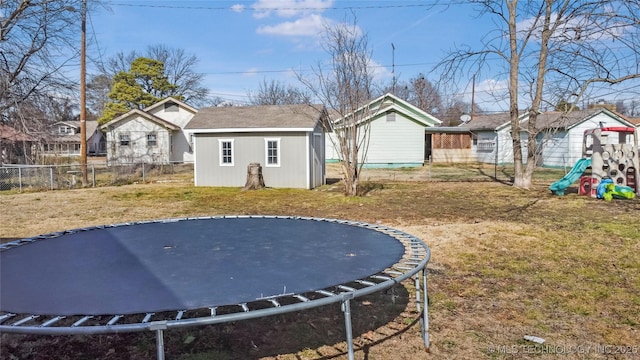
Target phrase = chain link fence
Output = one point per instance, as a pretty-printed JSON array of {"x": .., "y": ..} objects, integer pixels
[{"x": 69, "y": 176}]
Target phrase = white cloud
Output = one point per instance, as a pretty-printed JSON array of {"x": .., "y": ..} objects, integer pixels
[
  {"x": 490, "y": 95},
  {"x": 238, "y": 8},
  {"x": 289, "y": 8},
  {"x": 310, "y": 25}
]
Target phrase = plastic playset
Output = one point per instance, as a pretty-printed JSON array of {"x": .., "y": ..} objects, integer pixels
[{"x": 610, "y": 165}]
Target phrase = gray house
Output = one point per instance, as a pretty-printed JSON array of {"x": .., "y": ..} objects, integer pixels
[{"x": 287, "y": 140}]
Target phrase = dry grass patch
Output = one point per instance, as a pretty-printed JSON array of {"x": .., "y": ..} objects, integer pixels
[{"x": 505, "y": 263}]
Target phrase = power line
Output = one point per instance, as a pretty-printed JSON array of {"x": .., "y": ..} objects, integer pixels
[{"x": 289, "y": 8}]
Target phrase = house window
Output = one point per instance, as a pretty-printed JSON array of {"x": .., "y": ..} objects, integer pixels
[
  {"x": 272, "y": 152},
  {"x": 171, "y": 107},
  {"x": 486, "y": 145},
  {"x": 76, "y": 148},
  {"x": 152, "y": 139},
  {"x": 226, "y": 152},
  {"x": 64, "y": 129},
  {"x": 124, "y": 139}
]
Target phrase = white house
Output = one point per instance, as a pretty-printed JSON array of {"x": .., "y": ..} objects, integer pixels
[
  {"x": 393, "y": 130},
  {"x": 560, "y": 141},
  {"x": 286, "y": 140},
  {"x": 152, "y": 135},
  {"x": 559, "y": 138}
]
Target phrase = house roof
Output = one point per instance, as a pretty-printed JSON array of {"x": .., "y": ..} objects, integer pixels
[
  {"x": 173, "y": 100},
  {"x": 562, "y": 120},
  {"x": 7, "y": 133},
  {"x": 389, "y": 102},
  {"x": 487, "y": 122},
  {"x": 256, "y": 118},
  {"x": 90, "y": 126},
  {"x": 143, "y": 114},
  {"x": 546, "y": 120}
]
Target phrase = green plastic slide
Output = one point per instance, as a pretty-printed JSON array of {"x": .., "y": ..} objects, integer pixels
[{"x": 572, "y": 176}]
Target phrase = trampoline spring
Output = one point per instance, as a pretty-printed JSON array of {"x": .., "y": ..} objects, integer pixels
[
  {"x": 244, "y": 307},
  {"x": 180, "y": 315},
  {"x": 82, "y": 321},
  {"x": 380, "y": 277},
  {"x": 404, "y": 267},
  {"x": 274, "y": 302},
  {"x": 114, "y": 320},
  {"x": 147, "y": 317},
  {"x": 5, "y": 317},
  {"x": 346, "y": 288},
  {"x": 213, "y": 311},
  {"x": 25, "y": 320},
  {"x": 366, "y": 283},
  {"x": 52, "y": 321},
  {"x": 301, "y": 298},
  {"x": 325, "y": 293}
]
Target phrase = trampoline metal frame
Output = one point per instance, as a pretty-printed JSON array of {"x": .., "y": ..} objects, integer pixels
[{"x": 412, "y": 264}]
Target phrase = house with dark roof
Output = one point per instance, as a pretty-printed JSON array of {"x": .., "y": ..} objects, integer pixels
[
  {"x": 151, "y": 135},
  {"x": 286, "y": 140}
]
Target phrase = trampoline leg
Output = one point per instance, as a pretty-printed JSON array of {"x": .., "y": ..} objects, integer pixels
[
  {"x": 425, "y": 311},
  {"x": 346, "y": 309},
  {"x": 160, "y": 344}
]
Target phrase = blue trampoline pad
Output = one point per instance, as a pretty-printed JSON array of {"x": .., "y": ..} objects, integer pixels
[{"x": 187, "y": 264}]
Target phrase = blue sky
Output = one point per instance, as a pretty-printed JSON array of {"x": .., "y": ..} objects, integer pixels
[{"x": 240, "y": 43}]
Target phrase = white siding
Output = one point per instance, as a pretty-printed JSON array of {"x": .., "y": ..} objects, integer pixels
[
  {"x": 396, "y": 142},
  {"x": 181, "y": 140}
]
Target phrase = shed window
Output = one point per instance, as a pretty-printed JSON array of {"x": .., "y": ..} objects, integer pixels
[
  {"x": 226, "y": 152},
  {"x": 272, "y": 152},
  {"x": 152, "y": 139},
  {"x": 124, "y": 139}
]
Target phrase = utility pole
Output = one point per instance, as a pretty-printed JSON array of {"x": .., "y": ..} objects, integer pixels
[{"x": 83, "y": 93}]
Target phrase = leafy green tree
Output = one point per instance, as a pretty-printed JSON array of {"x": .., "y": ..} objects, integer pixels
[{"x": 143, "y": 85}]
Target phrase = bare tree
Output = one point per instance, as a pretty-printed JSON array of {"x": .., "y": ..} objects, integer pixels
[
  {"x": 37, "y": 40},
  {"x": 277, "y": 93},
  {"x": 553, "y": 49},
  {"x": 343, "y": 91}
]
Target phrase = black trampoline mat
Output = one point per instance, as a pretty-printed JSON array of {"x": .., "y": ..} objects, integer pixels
[{"x": 187, "y": 264}]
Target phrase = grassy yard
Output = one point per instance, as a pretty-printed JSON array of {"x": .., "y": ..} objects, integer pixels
[{"x": 506, "y": 263}]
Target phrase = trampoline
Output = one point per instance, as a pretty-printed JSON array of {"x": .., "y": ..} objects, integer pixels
[{"x": 165, "y": 274}]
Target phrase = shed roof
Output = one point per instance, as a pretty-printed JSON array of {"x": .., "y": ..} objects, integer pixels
[{"x": 256, "y": 118}]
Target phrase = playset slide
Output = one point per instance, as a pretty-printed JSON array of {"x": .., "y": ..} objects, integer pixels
[{"x": 572, "y": 176}]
